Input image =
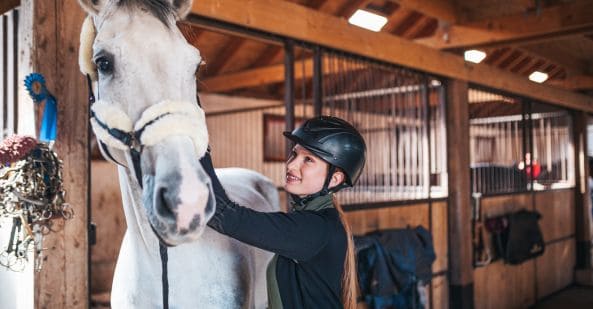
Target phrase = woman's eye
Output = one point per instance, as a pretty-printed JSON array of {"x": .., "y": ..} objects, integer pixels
[
  {"x": 308, "y": 159},
  {"x": 104, "y": 65}
]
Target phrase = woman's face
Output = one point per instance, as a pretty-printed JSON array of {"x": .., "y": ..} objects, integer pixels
[{"x": 305, "y": 172}]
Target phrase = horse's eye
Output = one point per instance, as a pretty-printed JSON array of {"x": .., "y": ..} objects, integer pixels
[{"x": 104, "y": 65}]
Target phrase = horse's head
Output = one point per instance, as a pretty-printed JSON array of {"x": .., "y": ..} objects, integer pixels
[{"x": 147, "y": 116}]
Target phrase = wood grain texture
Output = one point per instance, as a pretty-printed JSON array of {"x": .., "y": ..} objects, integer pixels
[
  {"x": 295, "y": 21},
  {"x": 63, "y": 283},
  {"x": 555, "y": 269},
  {"x": 570, "y": 18},
  {"x": 459, "y": 210},
  {"x": 364, "y": 221},
  {"x": 557, "y": 211},
  {"x": 439, "y": 293},
  {"x": 439, "y": 236},
  {"x": 108, "y": 216},
  {"x": 504, "y": 286},
  {"x": 499, "y": 205},
  {"x": 7, "y": 5}
]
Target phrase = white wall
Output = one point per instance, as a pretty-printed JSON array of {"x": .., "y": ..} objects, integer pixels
[{"x": 16, "y": 288}]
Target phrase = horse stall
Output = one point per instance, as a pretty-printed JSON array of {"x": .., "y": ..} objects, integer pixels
[{"x": 452, "y": 146}]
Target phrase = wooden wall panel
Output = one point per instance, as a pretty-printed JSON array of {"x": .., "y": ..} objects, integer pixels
[
  {"x": 557, "y": 210},
  {"x": 363, "y": 221},
  {"x": 504, "y": 286},
  {"x": 555, "y": 269},
  {"x": 439, "y": 293},
  {"x": 439, "y": 236},
  {"x": 499, "y": 205},
  {"x": 108, "y": 215}
]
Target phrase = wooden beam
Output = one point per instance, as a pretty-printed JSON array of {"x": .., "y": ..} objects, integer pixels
[
  {"x": 295, "y": 21},
  {"x": 192, "y": 34},
  {"x": 266, "y": 57},
  {"x": 7, "y": 5},
  {"x": 441, "y": 9},
  {"x": 228, "y": 51},
  {"x": 582, "y": 214},
  {"x": 351, "y": 6},
  {"x": 395, "y": 19},
  {"x": 53, "y": 27},
  {"x": 551, "y": 23},
  {"x": 555, "y": 53},
  {"x": 249, "y": 78},
  {"x": 459, "y": 208},
  {"x": 261, "y": 76},
  {"x": 576, "y": 82}
]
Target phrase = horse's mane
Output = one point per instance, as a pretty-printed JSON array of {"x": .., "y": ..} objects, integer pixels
[{"x": 161, "y": 9}]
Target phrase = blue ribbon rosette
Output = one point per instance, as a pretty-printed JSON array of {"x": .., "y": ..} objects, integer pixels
[{"x": 35, "y": 84}]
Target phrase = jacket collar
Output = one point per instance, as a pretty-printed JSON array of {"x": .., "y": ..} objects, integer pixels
[{"x": 315, "y": 204}]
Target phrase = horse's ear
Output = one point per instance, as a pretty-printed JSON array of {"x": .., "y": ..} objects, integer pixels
[
  {"x": 92, "y": 7},
  {"x": 182, "y": 7}
]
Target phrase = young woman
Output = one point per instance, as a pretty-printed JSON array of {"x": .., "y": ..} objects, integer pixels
[{"x": 313, "y": 265}]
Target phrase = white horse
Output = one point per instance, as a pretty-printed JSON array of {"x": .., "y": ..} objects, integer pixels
[{"x": 148, "y": 121}]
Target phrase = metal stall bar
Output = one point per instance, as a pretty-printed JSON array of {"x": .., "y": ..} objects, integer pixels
[{"x": 289, "y": 84}]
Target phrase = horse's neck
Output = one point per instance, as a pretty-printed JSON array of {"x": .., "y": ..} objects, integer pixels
[{"x": 136, "y": 220}]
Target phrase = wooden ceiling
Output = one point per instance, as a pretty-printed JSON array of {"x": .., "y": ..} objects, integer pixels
[{"x": 519, "y": 36}]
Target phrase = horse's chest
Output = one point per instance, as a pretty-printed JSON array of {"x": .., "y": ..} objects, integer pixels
[{"x": 214, "y": 272}]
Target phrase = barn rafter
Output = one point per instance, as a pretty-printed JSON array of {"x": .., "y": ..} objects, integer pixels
[{"x": 286, "y": 18}]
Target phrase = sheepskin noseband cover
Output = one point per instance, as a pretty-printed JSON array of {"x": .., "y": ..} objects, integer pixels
[{"x": 157, "y": 122}]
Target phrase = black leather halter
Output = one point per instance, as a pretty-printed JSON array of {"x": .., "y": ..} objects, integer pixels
[{"x": 132, "y": 140}]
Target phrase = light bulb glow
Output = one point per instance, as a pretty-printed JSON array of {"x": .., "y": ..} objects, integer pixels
[
  {"x": 368, "y": 20},
  {"x": 474, "y": 55},
  {"x": 538, "y": 77}
]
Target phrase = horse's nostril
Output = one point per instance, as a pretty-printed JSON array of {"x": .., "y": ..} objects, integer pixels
[{"x": 163, "y": 207}]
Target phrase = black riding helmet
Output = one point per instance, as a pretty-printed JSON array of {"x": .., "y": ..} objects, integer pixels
[{"x": 336, "y": 142}]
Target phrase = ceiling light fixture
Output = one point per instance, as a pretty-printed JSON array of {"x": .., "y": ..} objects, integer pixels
[
  {"x": 538, "y": 77},
  {"x": 474, "y": 55},
  {"x": 368, "y": 20}
]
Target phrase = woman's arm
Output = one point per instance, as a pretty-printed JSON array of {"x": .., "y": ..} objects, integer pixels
[{"x": 299, "y": 235}]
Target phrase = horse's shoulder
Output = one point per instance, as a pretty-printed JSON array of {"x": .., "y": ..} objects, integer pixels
[{"x": 241, "y": 183}]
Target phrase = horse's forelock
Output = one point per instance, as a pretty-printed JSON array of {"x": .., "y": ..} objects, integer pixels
[{"x": 161, "y": 9}]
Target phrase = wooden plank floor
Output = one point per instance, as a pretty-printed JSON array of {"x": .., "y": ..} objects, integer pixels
[{"x": 575, "y": 297}]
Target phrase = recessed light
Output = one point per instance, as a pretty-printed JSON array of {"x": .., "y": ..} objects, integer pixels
[
  {"x": 538, "y": 77},
  {"x": 368, "y": 20},
  {"x": 474, "y": 55}
]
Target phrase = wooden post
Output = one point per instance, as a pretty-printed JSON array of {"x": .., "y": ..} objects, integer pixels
[
  {"x": 289, "y": 90},
  {"x": 53, "y": 35},
  {"x": 459, "y": 208},
  {"x": 583, "y": 224}
]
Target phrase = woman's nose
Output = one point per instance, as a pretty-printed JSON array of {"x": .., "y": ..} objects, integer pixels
[{"x": 291, "y": 164}]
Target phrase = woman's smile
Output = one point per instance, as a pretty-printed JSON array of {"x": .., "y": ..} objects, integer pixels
[{"x": 305, "y": 172}]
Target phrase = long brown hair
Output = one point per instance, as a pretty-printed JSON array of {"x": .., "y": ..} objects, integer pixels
[{"x": 349, "y": 278}]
